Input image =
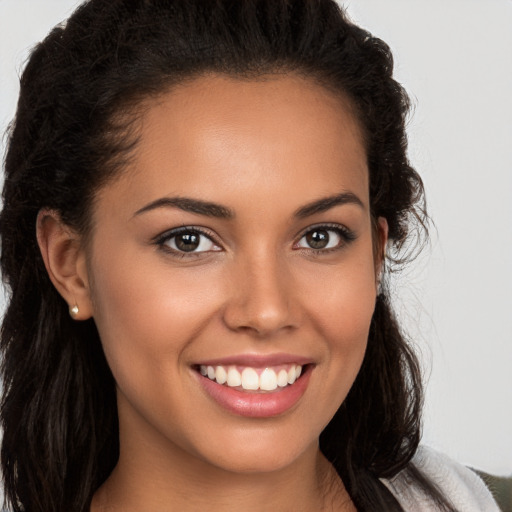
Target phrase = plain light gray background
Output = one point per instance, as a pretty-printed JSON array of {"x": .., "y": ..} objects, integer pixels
[{"x": 455, "y": 59}]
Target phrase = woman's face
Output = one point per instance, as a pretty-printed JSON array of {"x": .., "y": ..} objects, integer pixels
[{"x": 238, "y": 244}]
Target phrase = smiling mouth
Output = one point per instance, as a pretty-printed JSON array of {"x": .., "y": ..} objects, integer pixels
[{"x": 270, "y": 378}]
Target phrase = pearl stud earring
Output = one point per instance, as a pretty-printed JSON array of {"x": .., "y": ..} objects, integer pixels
[{"x": 74, "y": 311}]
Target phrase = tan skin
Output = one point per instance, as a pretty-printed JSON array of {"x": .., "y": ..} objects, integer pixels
[{"x": 254, "y": 285}]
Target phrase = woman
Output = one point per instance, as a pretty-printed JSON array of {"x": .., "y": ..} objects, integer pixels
[{"x": 199, "y": 318}]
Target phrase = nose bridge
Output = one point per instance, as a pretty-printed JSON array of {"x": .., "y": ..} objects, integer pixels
[{"x": 262, "y": 297}]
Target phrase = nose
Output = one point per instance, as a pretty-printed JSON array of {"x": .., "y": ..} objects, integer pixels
[{"x": 263, "y": 298}]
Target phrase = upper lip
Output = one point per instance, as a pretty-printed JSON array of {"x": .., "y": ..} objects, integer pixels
[{"x": 256, "y": 360}]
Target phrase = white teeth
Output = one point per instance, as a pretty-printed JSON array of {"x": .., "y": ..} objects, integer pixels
[
  {"x": 282, "y": 378},
  {"x": 268, "y": 379},
  {"x": 234, "y": 378},
  {"x": 221, "y": 375},
  {"x": 250, "y": 379}
]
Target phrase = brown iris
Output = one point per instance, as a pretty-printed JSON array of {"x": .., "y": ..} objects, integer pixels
[
  {"x": 187, "y": 242},
  {"x": 318, "y": 239}
]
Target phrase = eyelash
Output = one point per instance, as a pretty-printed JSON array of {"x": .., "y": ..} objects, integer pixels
[{"x": 162, "y": 240}]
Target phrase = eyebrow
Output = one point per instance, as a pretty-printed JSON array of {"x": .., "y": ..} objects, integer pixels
[
  {"x": 190, "y": 205},
  {"x": 326, "y": 203},
  {"x": 210, "y": 209}
]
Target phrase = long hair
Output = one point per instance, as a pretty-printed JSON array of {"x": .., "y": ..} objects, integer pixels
[{"x": 74, "y": 128}]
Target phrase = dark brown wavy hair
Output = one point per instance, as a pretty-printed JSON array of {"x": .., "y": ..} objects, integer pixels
[{"x": 73, "y": 132}]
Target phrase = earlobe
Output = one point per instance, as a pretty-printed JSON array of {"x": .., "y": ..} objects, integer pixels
[{"x": 64, "y": 259}]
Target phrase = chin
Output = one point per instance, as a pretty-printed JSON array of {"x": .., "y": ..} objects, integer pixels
[
  {"x": 264, "y": 452},
  {"x": 259, "y": 462}
]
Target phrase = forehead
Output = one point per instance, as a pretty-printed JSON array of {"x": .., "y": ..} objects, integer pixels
[{"x": 219, "y": 138}]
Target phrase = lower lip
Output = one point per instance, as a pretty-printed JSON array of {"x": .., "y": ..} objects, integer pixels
[{"x": 257, "y": 405}]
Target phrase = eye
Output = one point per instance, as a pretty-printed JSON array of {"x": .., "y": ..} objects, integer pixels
[
  {"x": 325, "y": 238},
  {"x": 187, "y": 240}
]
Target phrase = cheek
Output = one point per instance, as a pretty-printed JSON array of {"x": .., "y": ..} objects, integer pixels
[
  {"x": 147, "y": 293},
  {"x": 345, "y": 323},
  {"x": 147, "y": 314},
  {"x": 341, "y": 301},
  {"x": 340, "y": 306}
]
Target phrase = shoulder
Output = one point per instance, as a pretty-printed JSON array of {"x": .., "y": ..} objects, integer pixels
[{"x": 465, "y": 490}]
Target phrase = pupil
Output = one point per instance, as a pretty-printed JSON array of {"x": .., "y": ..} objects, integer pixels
[
  {"x": 318, "y": 239},
  {"x": 187, "y": 242}
]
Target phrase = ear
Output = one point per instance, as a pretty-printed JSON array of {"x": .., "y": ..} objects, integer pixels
[
  {"x": 65, "y": 260},
  {"x": 382, "y": 242}
]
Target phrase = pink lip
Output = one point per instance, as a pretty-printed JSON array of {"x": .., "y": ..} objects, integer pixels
[
  {"x": 256, "y": 405},
  {"x": 257, "y": 360}
]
